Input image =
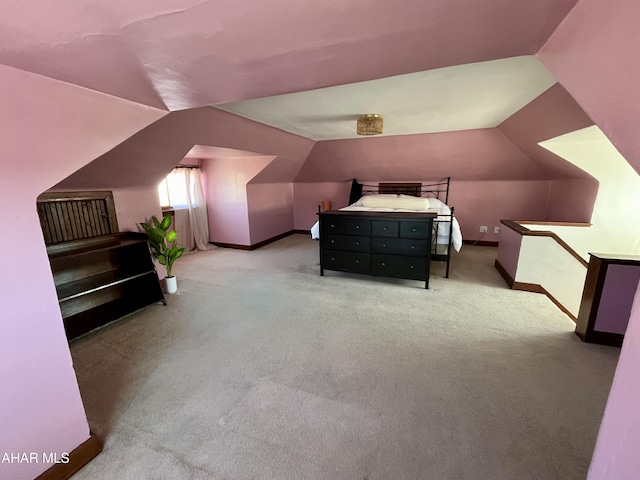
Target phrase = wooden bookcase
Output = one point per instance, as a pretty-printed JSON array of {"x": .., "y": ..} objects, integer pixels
[{"x": 101, "y": 279}]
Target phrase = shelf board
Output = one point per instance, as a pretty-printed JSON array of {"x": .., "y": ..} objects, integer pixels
[{"x": 86, "y": 286}]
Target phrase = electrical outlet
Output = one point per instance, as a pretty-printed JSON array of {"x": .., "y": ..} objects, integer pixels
[
  {"x": 496, "y": 229},
  {"x": 483, "y": 229}
]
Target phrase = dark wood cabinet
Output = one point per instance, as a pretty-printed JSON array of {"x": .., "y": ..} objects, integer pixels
[
  {"x": 101, "y": 279},
  {"x": 377, "y": 243}
]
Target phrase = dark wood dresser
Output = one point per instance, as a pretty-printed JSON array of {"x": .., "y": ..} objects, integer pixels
[
  {"x": 377, "y": 243},
  {"x": 101, "y": 279}
]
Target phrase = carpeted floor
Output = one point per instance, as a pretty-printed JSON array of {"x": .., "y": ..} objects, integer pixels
[{"x": 261, "y": 369}]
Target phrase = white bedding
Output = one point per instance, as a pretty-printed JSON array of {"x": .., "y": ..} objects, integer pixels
[{"x": 435, "y": 205}]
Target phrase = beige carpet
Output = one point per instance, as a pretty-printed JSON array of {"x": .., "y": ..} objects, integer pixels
[{"x": 261, "y": 369}]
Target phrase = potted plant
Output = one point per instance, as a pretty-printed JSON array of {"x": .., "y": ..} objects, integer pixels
[{"x": 164, "y": 248}]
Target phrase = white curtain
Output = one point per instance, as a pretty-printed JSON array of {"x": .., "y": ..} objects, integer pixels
[{"x": 187, "y": 199}]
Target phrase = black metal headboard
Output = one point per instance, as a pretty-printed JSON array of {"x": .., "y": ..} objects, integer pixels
[{"x": 415, "y": 189}]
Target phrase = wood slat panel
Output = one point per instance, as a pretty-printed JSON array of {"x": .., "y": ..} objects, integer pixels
[
  {"x": 55, "y": 224},
  {"x": 87, "y": 219},
  {"x": 104, "y": 217},
  {"x": 67, "y": 234},
  {"x": 77, "y": 218},
  {"x": 43, "y": 223},
  {"x": 73, "y": 218},
  {"x": 412, "y": 189},
  {"x": 95, "y": 218},
  {"x": 72, "y": 223}
]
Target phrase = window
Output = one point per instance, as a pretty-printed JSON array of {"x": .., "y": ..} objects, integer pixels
[
  {"x": 173, "y": 190},
  {"x": 163, "y": 193}
]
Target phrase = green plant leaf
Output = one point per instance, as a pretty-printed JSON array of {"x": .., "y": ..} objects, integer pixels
[
  {"x": 162, "y": 260},
  {"x": 171, "y": 236},
  {"x": 156, "y": 237},
  {"x": 166, "y": 222},
  {"x": 155, "y": 221}
]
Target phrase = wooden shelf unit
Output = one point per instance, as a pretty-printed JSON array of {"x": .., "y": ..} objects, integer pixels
[{"x": 101, "y": 279}]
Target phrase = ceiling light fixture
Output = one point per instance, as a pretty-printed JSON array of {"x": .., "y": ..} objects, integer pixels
[{"x": 370, "y": 124}]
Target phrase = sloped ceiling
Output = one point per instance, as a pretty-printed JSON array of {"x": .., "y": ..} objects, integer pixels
[
  {"x": 552, "y": 114},
  {"x": 484, "y": 154},
  {"x": 190, "y": 54},
  {"x": 462, "y": 97},
  {"x": 147, "y": 157},
  {"x": 179, "y": 54}
]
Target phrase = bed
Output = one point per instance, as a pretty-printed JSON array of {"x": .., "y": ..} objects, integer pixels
[{"x": 399, "y": 198}]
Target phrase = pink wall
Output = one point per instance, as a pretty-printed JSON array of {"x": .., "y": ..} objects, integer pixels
[
  {"x": 572, "y": 200},
  {"x": 555, "y": 112},
  {"x": 477, "y": 203},
  {"x": 193, "y": 162},
  {"x": 135, "y": 205},
  {"x": 226, "y": 191},
  {"x": 509, "y": 250},
  {"x": 307, "y": 197},
  {"x": 484, "y": 154},
  {"x": 594, "y": 54},
  {"x": 616, "y": 452},
  {"x": 270, "y": 210},
  {"x": 486, "y": 203},
  {"x": 147, "y": 157},
  {"x": 552, "y": 114},
  {"x": 617, "y": 298},
  {"x": 49, "y": 129}
]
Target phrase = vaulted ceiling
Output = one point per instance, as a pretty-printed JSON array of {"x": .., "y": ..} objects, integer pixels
[
  {"x": 427, "y": 66},
  {"x": 462, "y": 97},
  {"x": 178, "y": 54}
]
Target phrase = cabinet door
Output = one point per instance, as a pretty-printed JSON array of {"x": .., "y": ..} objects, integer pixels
[
  {"x": 343, "y": 242},
  {"x": 358, "y": 227},
  {"x": 346, "y": 261},
  {"x": 381, "y": 228},
  {"x": 413, "y": 268},
  {"x": 415, "y": 229},
  {"x": 400, "y": 246},
  {"x": 329, "y": 225}
]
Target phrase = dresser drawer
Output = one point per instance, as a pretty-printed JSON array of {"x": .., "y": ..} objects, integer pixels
[
  {"x": 346, "y": 261},
  {"x": 381, "y": 228},
  {"x": 333, "y": 225},
  {"x": 343, "y": 242},
  {"x": 403, "y": 267},
  {"x": 400, "y": 246},
  {"x": 358, "y": 227},
  {"x": 415, "y": 229}
]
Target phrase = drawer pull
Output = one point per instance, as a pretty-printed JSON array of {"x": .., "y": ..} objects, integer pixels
[
  {"x": 411, "y": 267},
  {"x": 413, "y": 247},
  {"x": 413, "y": 229},
  {"x": 383, "y": 264},
  {"x": 357, "y": 261},
  {"x": 357, "y": 243},
  {"x": 332, "y": 258},
  {"x": 384, "y": 244},
  {"x": 384, "y": 228},
  {"x": 357, "y": 226},
  {"x": 332, "y": 225},
  {"x": 333, "y": 241}
]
